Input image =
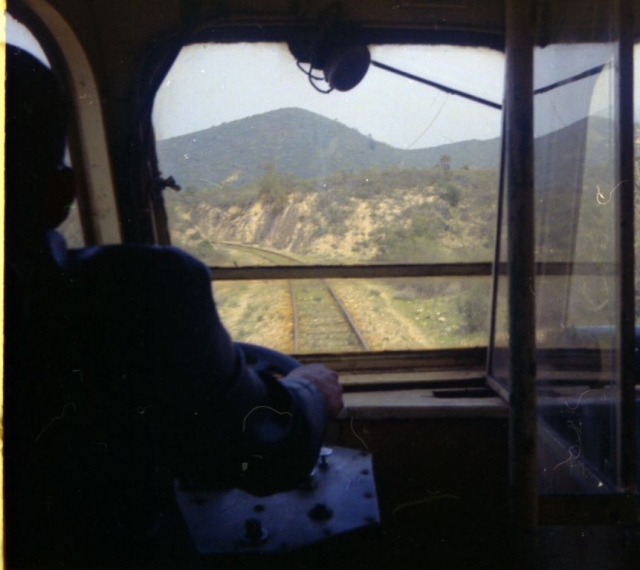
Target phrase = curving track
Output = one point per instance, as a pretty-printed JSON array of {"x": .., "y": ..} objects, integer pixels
[{"x": 320, "y": 320}]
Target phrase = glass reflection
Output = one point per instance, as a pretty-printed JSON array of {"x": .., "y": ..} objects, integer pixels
[{"x": 576, "y": 296}]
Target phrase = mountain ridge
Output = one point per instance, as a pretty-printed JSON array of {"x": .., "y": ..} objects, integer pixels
[
  {"x": 300, "y": 143},
  {"x": 297, "y": 142}
]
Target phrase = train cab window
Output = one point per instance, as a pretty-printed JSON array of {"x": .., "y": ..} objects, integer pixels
[{"x": 342, "y": 222}]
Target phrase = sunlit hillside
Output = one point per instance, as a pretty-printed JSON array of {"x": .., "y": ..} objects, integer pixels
[{"x": 392, "y": 215}]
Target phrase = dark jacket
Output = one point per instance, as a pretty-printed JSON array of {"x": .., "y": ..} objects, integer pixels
[{"x": 120, "y": 380}]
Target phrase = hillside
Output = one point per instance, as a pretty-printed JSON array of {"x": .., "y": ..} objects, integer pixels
[
  {"x": 393, "y": 215},
  {"x": 299, "y": 143},
  {"x": 355, "y": 199}
]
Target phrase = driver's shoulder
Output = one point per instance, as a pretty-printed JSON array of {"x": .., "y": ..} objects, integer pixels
[{"x": 137, "y": 261}]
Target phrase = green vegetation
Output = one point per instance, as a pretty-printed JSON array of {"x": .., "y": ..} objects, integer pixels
[
  {"x": 379, "y": 215},
  {"x": 394, "y": 215}
]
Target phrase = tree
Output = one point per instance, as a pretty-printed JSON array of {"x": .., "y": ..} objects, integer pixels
[
  {"x": 270, "y": 187},
  {"x": 445, "y": 165}
]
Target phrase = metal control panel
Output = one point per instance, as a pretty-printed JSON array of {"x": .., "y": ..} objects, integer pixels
[{"x": 338, "y": 497}]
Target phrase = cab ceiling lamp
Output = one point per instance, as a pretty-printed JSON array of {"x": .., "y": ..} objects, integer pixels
[
  {"x": 346, "y": 66},
  {"x": 336, "y": 52},
  {"x": 342, "y": 60}
]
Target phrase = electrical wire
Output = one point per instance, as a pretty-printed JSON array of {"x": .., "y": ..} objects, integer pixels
[{"x": 313, "y": 78}]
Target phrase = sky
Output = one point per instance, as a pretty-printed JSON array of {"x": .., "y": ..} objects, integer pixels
[
  {"x": 20, "y": 36},
  {"x": 213, "y": 84}
]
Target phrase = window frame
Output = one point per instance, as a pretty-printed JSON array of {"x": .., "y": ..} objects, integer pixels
[{"x": 95, "y": 188}]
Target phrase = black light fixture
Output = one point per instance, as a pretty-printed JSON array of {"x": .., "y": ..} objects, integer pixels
[
  {"x": 346, "y": 65},
  {"x": 337, "y": 52}
]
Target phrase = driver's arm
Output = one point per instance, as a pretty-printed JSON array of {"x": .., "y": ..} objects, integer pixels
[{"x": 238, "y": 430}]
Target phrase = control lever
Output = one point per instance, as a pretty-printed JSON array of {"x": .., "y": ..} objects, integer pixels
[{"x": 339, "y": 496}]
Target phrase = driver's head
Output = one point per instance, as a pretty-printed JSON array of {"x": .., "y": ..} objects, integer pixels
[{"x": 38, "y": 188}]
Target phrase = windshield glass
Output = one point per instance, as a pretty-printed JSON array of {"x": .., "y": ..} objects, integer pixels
[{"x": 274, "y": 172}]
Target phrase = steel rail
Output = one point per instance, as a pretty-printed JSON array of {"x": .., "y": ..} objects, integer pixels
[
  {"x": 347, "y": 316},
  {"x": 342, "y": 310}
]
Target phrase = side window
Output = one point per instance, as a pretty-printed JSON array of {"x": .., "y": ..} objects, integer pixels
[
  {"x": 354, "y": 221},
  {"x": 582, "y": 386}
]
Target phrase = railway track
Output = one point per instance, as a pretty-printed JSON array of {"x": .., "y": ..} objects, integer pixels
[{"x": 320, "y": 321}]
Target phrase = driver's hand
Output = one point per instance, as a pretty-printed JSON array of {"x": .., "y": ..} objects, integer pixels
[{"x": 326, "y": 381}]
